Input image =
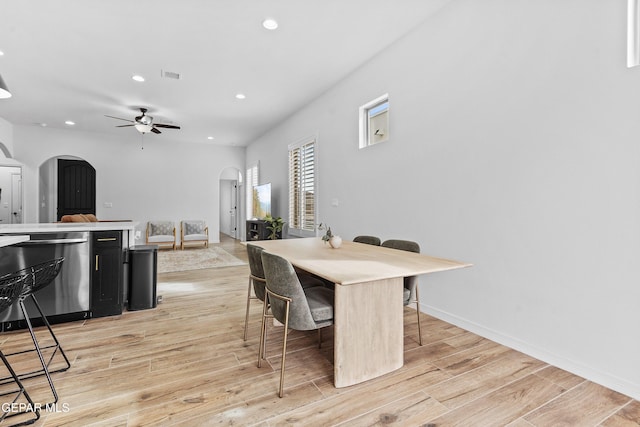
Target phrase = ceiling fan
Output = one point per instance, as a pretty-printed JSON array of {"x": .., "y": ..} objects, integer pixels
[{"x": 144, "y": 123}]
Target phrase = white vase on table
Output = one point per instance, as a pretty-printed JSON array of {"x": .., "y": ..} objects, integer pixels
[{"x": 335, "y": 241}]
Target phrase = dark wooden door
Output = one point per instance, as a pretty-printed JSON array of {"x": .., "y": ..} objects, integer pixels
[{"x": 76, "y": 188}]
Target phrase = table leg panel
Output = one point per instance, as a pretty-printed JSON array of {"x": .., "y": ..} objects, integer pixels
[{"x": 368, "y": 330}]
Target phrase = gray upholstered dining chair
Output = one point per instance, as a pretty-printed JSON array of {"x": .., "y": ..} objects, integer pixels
[
  {"x": 257, "y": 280},
  {"x": 296, "y": 308},
  {"x": 411, "y": 294},
  {"x": 369, "y": 240}
]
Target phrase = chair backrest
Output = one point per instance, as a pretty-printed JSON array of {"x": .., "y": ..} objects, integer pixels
[
  {"x": 11, "y": 287},
  {"x": 369, "y": 240},
  {"x": 160, "y": 228},
  {"x": 283, "y": 280},
  {"x": 409, "y": 246},
  {"x": 254, "y": 253},
  {"x": 403, "y": 245},
  {"x": 192, "y": 227},
  {"x": 37, "y": 276},
  {"x": 40, "y": 275}
]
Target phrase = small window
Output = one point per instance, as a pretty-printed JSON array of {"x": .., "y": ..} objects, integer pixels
[{"x": 374, "y": 121}]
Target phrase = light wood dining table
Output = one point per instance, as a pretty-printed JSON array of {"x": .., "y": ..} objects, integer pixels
[{"x": 368, "y": 310}]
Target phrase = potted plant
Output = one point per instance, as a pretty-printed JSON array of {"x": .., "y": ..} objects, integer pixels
[
  {"x": 334, "y": 241},
  {"x": 274, "y": 225}
]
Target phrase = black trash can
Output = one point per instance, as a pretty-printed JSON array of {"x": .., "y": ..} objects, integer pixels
[{"x": 143, "y": 270}]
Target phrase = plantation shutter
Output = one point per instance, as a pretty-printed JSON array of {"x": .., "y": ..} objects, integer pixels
[
  {"x": 252, "y": 181},
  {"x": 302, "y": 206}
]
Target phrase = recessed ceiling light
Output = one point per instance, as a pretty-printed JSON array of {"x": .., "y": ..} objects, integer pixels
[
  {"x": 138, "y": 78},
  {"x": 270, "y": 24},
  {"x": 1, "y": 53},
  {"x": 70, "y": 123},
  {"x": 210, "y": 137},
  {"x": 240, "y": 96}
]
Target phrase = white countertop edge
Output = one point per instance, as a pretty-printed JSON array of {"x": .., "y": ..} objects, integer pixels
[
  {"x": 12, "y": 240},
  {"x": 67, "y": 226}
]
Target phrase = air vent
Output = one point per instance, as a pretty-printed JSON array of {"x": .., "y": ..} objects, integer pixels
[{"x": 170, "y": 75}]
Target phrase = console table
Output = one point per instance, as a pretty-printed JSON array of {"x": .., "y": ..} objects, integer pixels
[{"x": 257, "y": 230}]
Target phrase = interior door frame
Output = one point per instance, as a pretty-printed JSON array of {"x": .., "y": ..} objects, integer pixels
[
  {"x": 90, "y": 207},
  {"x": 17, "y": 216}
]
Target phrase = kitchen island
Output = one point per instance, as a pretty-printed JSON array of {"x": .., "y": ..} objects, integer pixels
[
  {"x": 93, "y": 280},
  {"x": 26, "y": 229}
]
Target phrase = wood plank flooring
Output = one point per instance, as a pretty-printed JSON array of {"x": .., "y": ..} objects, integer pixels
[{"x": 185, "y": 363}]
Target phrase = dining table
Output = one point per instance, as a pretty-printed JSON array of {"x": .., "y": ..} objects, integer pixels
[{"x": 368, "y": 300}]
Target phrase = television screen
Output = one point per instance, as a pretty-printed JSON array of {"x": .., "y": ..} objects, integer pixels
[{"x": 262, "y": 200}]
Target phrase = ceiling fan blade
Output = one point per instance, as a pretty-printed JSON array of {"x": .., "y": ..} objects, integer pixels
[
  {"x": 123, "y": 126},
  {"x": 118, "y": 118},
  {"x": 159, "y": 125},
  {"x": 154, "y": 130}
]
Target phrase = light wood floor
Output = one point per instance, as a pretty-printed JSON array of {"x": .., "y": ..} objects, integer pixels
[{"x": 185, "y": 363}]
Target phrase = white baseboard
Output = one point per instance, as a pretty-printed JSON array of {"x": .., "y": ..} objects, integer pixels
[{"x": 607, "y": 380}]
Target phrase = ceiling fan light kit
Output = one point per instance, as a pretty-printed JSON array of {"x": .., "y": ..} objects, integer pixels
[{"x": 142, "y": 128}]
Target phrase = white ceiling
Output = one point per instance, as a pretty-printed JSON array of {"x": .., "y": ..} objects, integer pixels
[{"x": 74, "y": 59}]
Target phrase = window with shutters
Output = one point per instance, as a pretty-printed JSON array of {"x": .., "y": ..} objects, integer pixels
[
  {"x": 302, "y": 188},
  {"x": 252, "y": 181}
]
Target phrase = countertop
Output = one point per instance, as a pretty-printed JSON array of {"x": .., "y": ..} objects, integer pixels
[
  {"x": 66, "y": 226},
  {"x": 12, "y": 240}
]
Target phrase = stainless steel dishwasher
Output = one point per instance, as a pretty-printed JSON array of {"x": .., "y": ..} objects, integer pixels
[{"x": 67, "y": 298}]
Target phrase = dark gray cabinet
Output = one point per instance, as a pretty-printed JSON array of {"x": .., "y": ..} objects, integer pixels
[
  {"x": 106, "y": 273},
  {"x": 257, "y": 230}
]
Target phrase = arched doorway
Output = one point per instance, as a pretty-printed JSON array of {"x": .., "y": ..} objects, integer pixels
[
  {"x": 80, "y": 176},
  {"x": 230, "y": 203}
]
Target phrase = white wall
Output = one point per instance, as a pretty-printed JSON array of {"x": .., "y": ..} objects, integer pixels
[
  {"x": 6, "y": 192},
  {"x": 6, "y": 138},
  {"x": 514, "y": 145},
  {"x": 47, "y": 194},
  {"x": 164, "y": 181}
]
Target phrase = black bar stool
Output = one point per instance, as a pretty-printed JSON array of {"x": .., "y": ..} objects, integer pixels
[
  {"x": 37, "y": 277},
  {"x": 11, "y": 287}
]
